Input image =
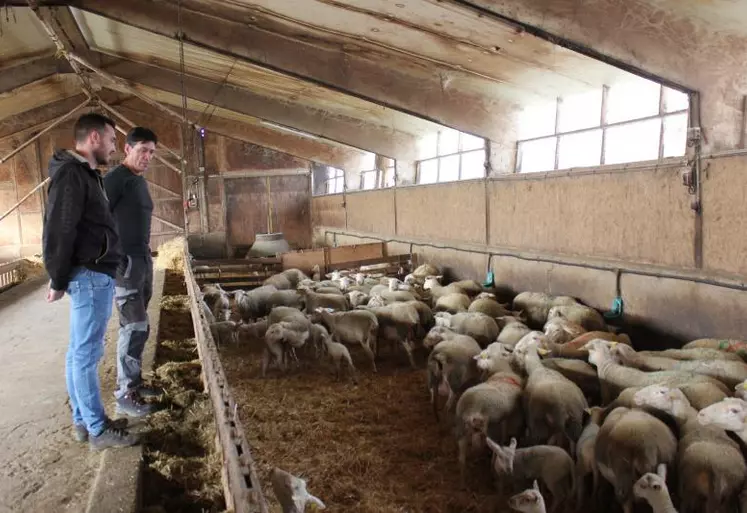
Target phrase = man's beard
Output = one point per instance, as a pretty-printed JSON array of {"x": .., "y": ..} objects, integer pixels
[{"x": 102, "y": 158}]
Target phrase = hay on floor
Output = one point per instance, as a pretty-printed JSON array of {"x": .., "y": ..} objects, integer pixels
[{"x": 371, "y": 448}]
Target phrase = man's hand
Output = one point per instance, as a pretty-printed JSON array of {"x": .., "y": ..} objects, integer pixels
[{"x": 54, "y": 295}]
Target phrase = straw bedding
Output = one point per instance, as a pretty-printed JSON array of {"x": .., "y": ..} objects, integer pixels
[{"x": 371, "y": 448}]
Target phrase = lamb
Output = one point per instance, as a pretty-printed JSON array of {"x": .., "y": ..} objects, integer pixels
[
  {"x": 253, "y": 304},
  {"x": 279, "y": 281},
  {"x": 551, "y": 465},
  {"x": 452, "y": 369},
  {"x": 653, "y": 488},
  {"x": 528, "y": 501},
  {"x": 452, "y": 303},
  {"x": 355, "y": 327},
  {"x": 553, "y": 404},
  {"x": 224, "y": 332},
  {"x": 615, "y": 378},
  {"x": 585, "y": 462},
  {"x": 491, "y": 409},
  {"x": 291, "y": 315},
  {"x": 728, "y": 372},
  {"x": 630, "y": 444},
  {"x": 339, "y": 353},
  {"x": 587, "y": 317},
  {"x": 559, "y": 330},
  {"x": 314, "y": 301},
  {"x": 291, "y": 492},
  {"x": 536, "y": 305},
  {"x": 710, "y": 466},
  {"x": 477, "y": 325}
]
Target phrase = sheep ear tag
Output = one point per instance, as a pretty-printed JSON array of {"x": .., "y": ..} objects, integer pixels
[
  {"x": 744, "y": 385},
  {"x": 542, "y": 351}
]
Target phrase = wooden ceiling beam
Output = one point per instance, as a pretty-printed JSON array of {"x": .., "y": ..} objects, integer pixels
[
  {"x": 13, "y": 77},
  {"x": 352, "y": 132},
  {"x": 442, "y": 95},
  {"x": 336, "y": 155}
]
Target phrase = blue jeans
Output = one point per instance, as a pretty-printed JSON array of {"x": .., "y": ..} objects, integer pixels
[{"x": 91, "y": 295}]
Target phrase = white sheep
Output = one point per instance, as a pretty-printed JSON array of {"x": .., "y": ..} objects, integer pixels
[
  {"x": 281, "y": 338},
  {"x": 615, "y": 377},
  {"x": 451, "y": 367},
  {"x": 528, "y": 501},
  {"x": 729, "y": 414},
  {"x": 550, "y": 465},
  {"x": 338, "y": 353},
  {"x": 477, "y": 325},
  {"x": 291, "y": 492},
  {"x": 631, "y": 443},
  {"x": 590, "y": 319},
  {"x": 359, "y": 327},
  {"x": 710, "y": 466},
  {"x": 653, "y": 489}
]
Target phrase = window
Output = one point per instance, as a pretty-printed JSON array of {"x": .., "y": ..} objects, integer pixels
[
  {"x": 335, "y": 180},
  {"x": 450, "y": 155},
  {"x": 636, "y": 120},
  {"x": 378, "y": 172}
]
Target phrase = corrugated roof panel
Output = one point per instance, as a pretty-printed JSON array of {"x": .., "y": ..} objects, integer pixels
[
  {"x": 21, "y": 36},
  {"x": 118, "y": 39}
]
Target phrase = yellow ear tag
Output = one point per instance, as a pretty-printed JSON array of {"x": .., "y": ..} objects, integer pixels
[
  {"x": 744, "y": 385},
  {"x": 542, "y": 351},
  {"x": 613, "y": 344}
]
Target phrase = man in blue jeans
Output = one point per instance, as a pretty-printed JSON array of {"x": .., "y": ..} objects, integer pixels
[
  {"x": 132, "y": 207},
  {"x": 81, "y": 254}
]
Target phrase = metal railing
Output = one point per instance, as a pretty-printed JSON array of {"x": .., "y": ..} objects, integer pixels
[
  {"x": 10, "y": 274},
  {"x": 241, "y": 485}
]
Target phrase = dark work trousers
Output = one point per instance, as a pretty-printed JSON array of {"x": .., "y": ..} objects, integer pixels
[{"x": 132, "y": 293}]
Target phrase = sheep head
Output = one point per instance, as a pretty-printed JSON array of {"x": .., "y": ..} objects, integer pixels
[
  {"x": 650, "y": 485},
  {"x": 488, "y": 357},
  {"x": 431, "y": 282},
  {"x": 435, "y": 335},
  {"x": 599, "y": 351},
  {"x": 528, "y": 501},
  {"x": 410, "y": 279},
  {"x": 503, "y": 457},
  {"x": 729, "y": 414},
  {"x": 622, "y": 352},
  {"x": 376, "y": 300},
  {"x": 485, "y": 295},
  {"x": 291, "y": 492},
  {"x": 661, "y": 397},
  {"x": 360, "y": 278}
]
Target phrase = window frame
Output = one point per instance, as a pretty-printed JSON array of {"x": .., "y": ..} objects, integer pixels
[
  {"x": 661, "y": 115},
  {"x": 338, "y": 175},
  {"x": 460, "y": 153}
]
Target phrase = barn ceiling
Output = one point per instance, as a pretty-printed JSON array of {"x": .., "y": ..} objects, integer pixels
[{"x": 369, "y": 74}]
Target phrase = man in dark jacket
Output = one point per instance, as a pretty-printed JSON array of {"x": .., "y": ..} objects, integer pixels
[
  {"x": 81, "y": 254},
  {"x": 132, "y": 206}
]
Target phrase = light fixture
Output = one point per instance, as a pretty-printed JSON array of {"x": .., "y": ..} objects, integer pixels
[{"x": 288, "y": 129}]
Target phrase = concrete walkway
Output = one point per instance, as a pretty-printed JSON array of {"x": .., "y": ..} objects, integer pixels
[{"x": 42, "y": 469}]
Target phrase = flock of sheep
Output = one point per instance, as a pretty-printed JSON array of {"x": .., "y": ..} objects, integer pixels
[{"x": 558, "y": 397}]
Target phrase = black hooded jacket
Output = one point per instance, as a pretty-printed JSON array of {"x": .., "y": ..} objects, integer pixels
[{"x": 79, "y": 229}]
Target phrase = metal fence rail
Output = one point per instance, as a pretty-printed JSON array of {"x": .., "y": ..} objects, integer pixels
[
  {"x": 241, "y": 485},
  {"x": 10, "y": 274}
]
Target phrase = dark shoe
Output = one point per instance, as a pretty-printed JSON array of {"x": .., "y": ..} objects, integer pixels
[
  {"x": 149, "y": 392},
  {"x": 112, "y": 438},
  {"x": 80, "y": 432},
  {"x": 132, "y": 405}
]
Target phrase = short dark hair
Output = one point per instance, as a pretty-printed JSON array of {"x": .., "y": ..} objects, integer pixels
[
  {"x": 88, "y": 122},
  {"x": 141, "y": 134}
]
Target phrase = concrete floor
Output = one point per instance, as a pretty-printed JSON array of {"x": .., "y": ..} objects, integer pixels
[{"x": 42, "y": 469}]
